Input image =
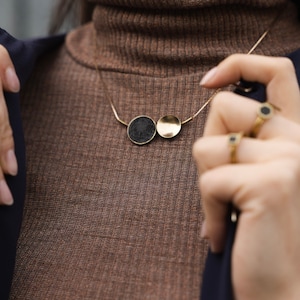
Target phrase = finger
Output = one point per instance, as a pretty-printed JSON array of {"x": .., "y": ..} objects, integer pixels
[
  {"x": 9, "y": 82},
  {"x": 233, "y": 113},
  {"x": 6, "y": 197},
  {"x": 242, "y": 185},
  {"x": 8, "y": 161},
  {"x": 8, "y": 75},
  {"x": 214, "y": 151},
  {"x": 215, "y": 206},
  {"x": 277, "y": 73}
]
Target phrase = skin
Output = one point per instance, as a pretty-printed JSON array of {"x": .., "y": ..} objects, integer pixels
[
  {"x": 8, "y": 164},
  {"x": 263, "y": 185}
]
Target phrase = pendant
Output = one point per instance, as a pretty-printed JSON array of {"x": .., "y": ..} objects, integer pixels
[
  {"x": 142, "y": 129},
  {"x": 168, "y": 126}
]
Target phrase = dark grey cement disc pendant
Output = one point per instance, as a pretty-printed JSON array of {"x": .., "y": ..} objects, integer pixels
[{"x": 141, "y": 130}]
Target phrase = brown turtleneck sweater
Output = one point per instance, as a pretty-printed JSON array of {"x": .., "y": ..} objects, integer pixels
[{"x": 104, "y": 218}]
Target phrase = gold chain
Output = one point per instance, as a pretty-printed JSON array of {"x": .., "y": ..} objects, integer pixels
[{"x": 168, "y": 126}]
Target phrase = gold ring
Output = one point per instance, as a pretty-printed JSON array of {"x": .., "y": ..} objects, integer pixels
[
  {"x": 234, "y": 140},
  {"x": 264, "y": 113}
]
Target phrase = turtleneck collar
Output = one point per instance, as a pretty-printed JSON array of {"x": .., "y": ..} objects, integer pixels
[
  {"x": 156, "y": 38},
  {"x": 184, "y": 4}
]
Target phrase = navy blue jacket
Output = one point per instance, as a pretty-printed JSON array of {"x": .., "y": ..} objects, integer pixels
[
  {"x": 216, "y": 281},
  {"x": 24, "y": 55}
]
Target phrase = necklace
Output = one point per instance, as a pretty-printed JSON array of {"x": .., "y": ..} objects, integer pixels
[{"x": 142, "y": 129}]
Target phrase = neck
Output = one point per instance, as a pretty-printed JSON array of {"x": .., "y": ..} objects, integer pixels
[
  {"x": 183, "y": 4},
  {"x": 136, "y": 37}
]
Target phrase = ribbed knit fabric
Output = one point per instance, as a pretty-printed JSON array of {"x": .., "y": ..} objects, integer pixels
[
  {"x": 173, "y": 42},
  {"x": 106, "y": 219}
]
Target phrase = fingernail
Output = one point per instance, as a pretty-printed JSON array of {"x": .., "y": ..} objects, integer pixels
[
  {"x": 208, "y": 76},
  {"x": 5, "y": 194},
  {"x": 12, "y": 80},
  {"x": 11, "y": 160}
]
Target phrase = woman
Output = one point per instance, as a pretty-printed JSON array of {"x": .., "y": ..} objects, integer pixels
[{"x": 106, "y": 218}]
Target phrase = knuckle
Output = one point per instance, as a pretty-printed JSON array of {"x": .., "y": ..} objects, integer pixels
[
  {"x": 285, "y": 64},
  {"x": 4, "y": 53},
  {"x": 199, "y": 153},
  {"x": 233, "y": 58},
  {"x": 3, "y": 117},
  {"x": 207, "y": 184},
  {"x": 282, "y": 186},
  {"x": 219, "y": 101},
  {"x": 6, "y": 137},
  {"x": 198, "y": 148}
]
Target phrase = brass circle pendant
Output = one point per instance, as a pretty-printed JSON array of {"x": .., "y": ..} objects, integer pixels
[
  {"x": 168, "y": 126},
  {"x": 141, "y": 130}
]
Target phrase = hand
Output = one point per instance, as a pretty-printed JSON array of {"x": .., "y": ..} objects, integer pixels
[
  {"x": 8, "y": 163},
  {"x": 263, "y": 185}
]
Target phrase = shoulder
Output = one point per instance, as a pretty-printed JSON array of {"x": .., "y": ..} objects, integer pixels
[{"x": 24, "y": 53}]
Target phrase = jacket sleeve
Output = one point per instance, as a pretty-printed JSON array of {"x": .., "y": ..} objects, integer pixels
[{"x": 23, "y": 55}]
